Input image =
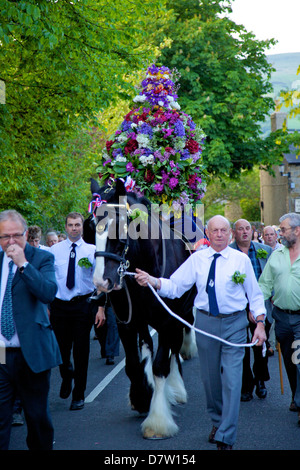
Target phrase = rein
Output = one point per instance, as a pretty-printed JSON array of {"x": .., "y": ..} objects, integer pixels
[{"x": 197, "y": 330}]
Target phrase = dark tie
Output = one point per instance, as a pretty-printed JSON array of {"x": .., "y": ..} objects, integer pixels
[
  {"x": 71, "y": 269},
  {"x": 210, "y": 287},
  {"x": 7, "y": 320}
]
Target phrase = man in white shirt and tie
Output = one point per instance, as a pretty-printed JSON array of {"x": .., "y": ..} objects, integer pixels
[
  {"x": 221, "y": 364},
  {"x": 71, "y": 314}
]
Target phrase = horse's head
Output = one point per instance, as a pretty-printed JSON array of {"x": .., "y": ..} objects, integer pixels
[{"x": 111, "y": 218}]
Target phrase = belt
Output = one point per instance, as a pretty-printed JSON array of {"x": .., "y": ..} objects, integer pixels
[
  {"x": 290, "y": 312},
  {"x": 221, "y": 315},
  {"x": 77, "y": 298}
]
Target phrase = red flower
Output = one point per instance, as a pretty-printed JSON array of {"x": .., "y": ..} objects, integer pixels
[
  {"x": 108, "y": 145},
  {"x": 149, "y": 176},
  {"x": 131, "y": 146},
  {"x": 192, "y": 146}
]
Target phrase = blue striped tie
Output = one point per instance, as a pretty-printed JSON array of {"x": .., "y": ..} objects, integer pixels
[
  {"x": 7, "y": 321},
  {"x": 210, "y": 287}
]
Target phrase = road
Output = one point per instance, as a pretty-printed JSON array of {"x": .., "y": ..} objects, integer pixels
[{"x": 107, "y": 423}]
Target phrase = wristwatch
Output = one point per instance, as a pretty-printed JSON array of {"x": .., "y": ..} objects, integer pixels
[
  {"x": 21, "y": 269},
  {"x": 260, "y": 321}
]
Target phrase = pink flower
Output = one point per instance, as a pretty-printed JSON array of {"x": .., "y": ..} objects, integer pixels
[{"x": 173, "y": 183}]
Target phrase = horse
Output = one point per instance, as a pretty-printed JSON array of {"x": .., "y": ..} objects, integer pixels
[{"x": 127, "y": 233}]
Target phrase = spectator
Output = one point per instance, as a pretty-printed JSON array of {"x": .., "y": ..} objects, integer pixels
[
  {"x": 281, "y": 278},
  {"x": 71, "y": 315},
  {"x": 51, "y": 238},
  {"x": 258, "y": 254},
  {"x": 34, "y": 237},
  {"x": 31, "y": 347}
]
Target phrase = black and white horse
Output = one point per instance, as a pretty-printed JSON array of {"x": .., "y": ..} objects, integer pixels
[{"x": 127, "y": 237}]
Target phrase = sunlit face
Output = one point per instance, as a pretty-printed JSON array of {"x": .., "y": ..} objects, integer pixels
[
  {"x": 74, "y": 228},
  {"x": 52, "y": 239},
  {"x": 218, "y": 231},
  {"x": 288, "y": 233},
  {"x": 243, "y": 231},
  {"x": 270, "y": 236},
  {"x": 12, "y": 233}
]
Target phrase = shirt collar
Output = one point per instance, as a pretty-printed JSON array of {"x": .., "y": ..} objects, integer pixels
[
  {"x": 224, "y": 253},
  {"x": 78, "y": 242}
]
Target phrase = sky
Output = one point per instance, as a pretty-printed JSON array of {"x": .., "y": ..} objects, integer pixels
[{"x": 278, "y": 19}]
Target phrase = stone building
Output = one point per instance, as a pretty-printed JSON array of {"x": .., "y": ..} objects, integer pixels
[{"x": 280, "y": 194}]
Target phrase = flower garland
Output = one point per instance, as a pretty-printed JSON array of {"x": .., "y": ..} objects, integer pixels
[{"x": 157, "y": 149}]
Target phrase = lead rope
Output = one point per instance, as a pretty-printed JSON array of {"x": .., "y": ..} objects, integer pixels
[{"x": 247, "y": 345}]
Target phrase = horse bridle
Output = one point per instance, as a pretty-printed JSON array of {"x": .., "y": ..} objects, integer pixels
[{"x": 124, "y": 263}]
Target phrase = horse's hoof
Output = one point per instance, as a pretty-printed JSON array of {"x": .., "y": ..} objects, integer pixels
[{"x": 150, "y": 434}]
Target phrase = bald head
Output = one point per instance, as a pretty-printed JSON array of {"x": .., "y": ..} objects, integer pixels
[
  {"x": 270, "y": 236},
  {"x": 218, "y": 230}
]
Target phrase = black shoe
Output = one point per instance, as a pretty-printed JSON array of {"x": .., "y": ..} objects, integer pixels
[
  {"x": 246, "y": 396},
  {"x": 110, "y": 361},
  {"x": 77, "y": 405},
  {"x": 223, "y": 446},
  {"x": 66, "y": 388},
  {"x": 261, "y": 390},
  {"x": 211, "y": 437}
]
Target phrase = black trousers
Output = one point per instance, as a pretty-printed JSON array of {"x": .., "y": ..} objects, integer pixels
[
  {"x": 260, "y": 363},
  {"x": 17, "y": 379},
  {"x": 72, "y": 323}
]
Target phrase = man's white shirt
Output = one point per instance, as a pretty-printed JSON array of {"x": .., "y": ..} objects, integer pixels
[{"x": 231, "y": 297}]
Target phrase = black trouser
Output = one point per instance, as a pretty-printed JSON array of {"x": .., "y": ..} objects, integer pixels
[
  {"x": 72, "y": 322},
  {"x": 287, "y": 331},
  {"x": 16, "y": 378},
  {"x": 260, "y": 364}
]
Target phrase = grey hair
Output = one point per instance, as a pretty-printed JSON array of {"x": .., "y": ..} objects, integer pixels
[
  {"x": 294, "y": 219},
  {"x": 12, "y": 214}
]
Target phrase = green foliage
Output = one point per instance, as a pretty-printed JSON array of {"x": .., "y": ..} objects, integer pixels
[
  {"x": 62, "y": 63},
  {"x": 244, "y": 190},
  {"x": 225, "y": 81}
]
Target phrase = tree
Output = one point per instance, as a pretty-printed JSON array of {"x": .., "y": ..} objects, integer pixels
[
  {"x": 62, "y": 63},
  {"x": 225, "y": 81},
  {"x": 244, "y": 191}
]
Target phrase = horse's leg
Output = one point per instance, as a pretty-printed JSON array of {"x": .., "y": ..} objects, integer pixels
[
  {"x": 189, "y": 346},
  {"x": 159, "y": 423},
  {"x": 176, "y": 388},
  {"x": 141, "y": 388}
]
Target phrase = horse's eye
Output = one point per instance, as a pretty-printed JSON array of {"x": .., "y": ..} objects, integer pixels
[{"x": 100, "y": 228}]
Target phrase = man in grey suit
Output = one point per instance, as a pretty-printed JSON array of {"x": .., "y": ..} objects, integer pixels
[
  {"x": 27, "y": 285},
  {"x": 258, "y": 254}
]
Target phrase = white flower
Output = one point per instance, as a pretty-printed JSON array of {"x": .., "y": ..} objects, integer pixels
[
  {"x": 139, "y": 99},
  {"x": 160, "y": 103},
  {"x": 133, "y": 125},
  {"x": 119, "y": 158},
  {"x": 122, "y": 138},
  {"x": 174, "y": 105},
  {"x": 143, "y": 140}
]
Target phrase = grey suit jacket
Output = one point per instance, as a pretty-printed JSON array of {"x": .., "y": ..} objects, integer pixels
[{"x": 31, "y": 292}]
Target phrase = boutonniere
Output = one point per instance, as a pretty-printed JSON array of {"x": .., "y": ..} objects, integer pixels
[
  {"x": 138, "y": 213},
  {"x": 84, "y": 263},
  {"x": 238, "y": 278},
  {"x": 261, "y": 253}
]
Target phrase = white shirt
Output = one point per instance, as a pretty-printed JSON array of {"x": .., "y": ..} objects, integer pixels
[
  {"x": 14, "y": 341},
  {"x": 83, "y": 276},
  {"x": 231, "y": 297}
]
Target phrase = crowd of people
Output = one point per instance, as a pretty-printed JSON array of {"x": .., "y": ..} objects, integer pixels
[{"x": 247, "y": 292}]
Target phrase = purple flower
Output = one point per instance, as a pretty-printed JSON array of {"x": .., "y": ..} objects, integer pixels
[
  {"x": 145, "y": 129},
  {"x": 173, "y": 183},
  {"x": 179, "y": 129},
  {"x": 126, "y": 126},
  {"x": 130, "y": 167},
  {"x": 159, "y": 187}
]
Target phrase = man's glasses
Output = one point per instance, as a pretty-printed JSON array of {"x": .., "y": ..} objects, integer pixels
[
  {"x": 283, "y": 230},
  {"x": 16, "y": 236}
]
